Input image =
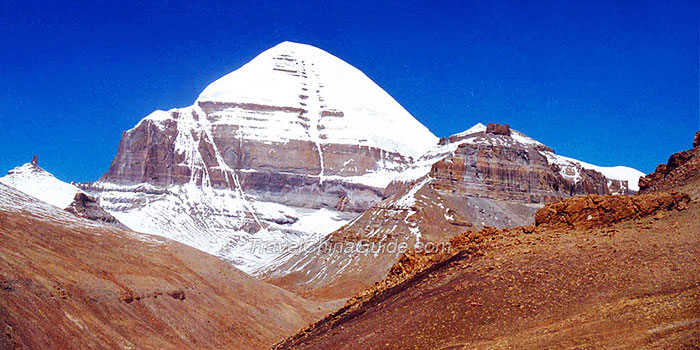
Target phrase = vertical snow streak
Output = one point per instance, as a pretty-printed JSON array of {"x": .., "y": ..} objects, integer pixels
[
  {"x": 314, "y": 113},
  {"x": 187, "y": 145}
]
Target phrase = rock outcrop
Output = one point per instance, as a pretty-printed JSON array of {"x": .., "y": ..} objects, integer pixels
[
  {"x": 87, "y": 207},
  {"x": 681, "y": 172},
  {"x": 598, "y": 211},
  {"x": 498, "y": 129}
]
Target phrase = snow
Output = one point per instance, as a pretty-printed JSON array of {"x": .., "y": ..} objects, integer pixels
[
  {"x": 478, "y": 127},
  {"x": 217, "y": 221},
  {"x": 299, "y": 92},
  {"x": 13, "y": 200},
  {"x": 522, "y": 139},
  {"x": 409, "y": 199},
  {"x": 41, "y": 184},
  {"x": 289, "y": 92},
  {"x": 622, "y": 173},
  {"x": 283, "y": 74}
]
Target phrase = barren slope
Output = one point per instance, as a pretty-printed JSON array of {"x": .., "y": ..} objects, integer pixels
[
  {"x": 635, "y": 284},
  {"x": 70, "y": 283}
]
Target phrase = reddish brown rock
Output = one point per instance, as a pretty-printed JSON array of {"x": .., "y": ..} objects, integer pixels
[
  {"x": 489, "y": 180},
  {"x": 682, "y": 173},
  {"x": 596, "y": 211},
  {"x": 517, "y": 173},
  {"x": 635, "y": 289},
  {"x": 280, "y": 172},
  {"x": 498, "y": 129}
]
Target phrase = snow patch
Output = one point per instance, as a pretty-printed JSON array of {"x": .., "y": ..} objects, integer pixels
[{"x": 39, "y": 183}]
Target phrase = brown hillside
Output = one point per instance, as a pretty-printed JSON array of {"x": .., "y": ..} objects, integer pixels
[
  {"x": 69, "y": 283},
  {"x": 631, "y": 284}
]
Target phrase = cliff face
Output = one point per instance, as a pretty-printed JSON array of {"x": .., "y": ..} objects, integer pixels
[
  {"x": 213, "y": 153},
  {"x": 502, "y": 172},
  {"x": 296, "y": 143}
]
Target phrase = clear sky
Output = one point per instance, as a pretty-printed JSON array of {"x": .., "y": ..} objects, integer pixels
[{"x": 611, "y": 83}]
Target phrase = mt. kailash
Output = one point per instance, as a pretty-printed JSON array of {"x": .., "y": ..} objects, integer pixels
[{"x": 296, "y": 144}]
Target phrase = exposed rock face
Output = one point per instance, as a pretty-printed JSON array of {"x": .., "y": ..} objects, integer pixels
[
  {"x": 294, "y": 133},
  {"x": 682, "y": 172},
  {"x": 696, "y": 141},
  {"x": 596, "y": 211},
  {"x": 295, "y": 143},
  {"x": 520, "y": 174},
  {"x": 498, "y": 129},
  {"x": 484, "y": 177},
  {"x": 87, "y": 207}
]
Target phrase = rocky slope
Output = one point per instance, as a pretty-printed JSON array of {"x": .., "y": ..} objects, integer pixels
[
  {"x": 85, "y": 206},
  {"x": 681, "y": 172},
  {"x": 68, "y": 283},
  {"x": 628, "y": 279},
  {"x": 487, "y": 176},
  {"x": 294, "y": 143}
]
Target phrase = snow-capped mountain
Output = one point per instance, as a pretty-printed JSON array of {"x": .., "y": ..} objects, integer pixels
[
  {"x": 38, "y": 183},
  {"x": 294, "y": 143}
]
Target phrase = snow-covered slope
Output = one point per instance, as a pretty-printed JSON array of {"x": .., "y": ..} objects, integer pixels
[
  {"x": 37, "y": 182},
  {"x": 570, "y": 168},
  {"x": 341, "y": 103},
  {"x": 298, "y": 75}
]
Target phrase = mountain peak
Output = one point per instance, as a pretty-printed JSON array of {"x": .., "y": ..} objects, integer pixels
[
  {"x": 291, "y": 45},
  {"x": 339, "y": 101},
  {"x": 37, "y": 182},
  {"x": 478, "y": 127}
]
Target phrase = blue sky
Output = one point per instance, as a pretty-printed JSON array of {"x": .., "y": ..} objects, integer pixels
[{"x": 611, "y": 83}]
